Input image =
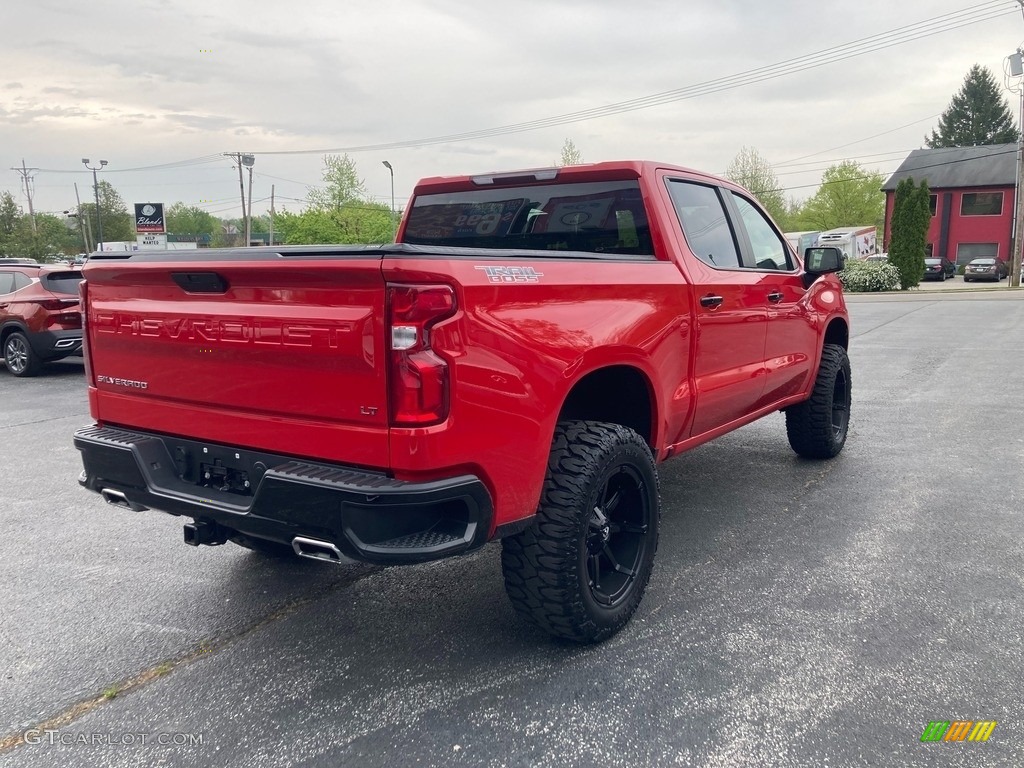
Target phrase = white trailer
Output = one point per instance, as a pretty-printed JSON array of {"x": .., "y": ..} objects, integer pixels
[
  {"x": 803, "y": 240},
  {"x": 854, "y": 242}
]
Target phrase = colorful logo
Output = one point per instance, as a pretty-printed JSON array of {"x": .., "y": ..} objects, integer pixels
[{"x": 958, "y": 730}]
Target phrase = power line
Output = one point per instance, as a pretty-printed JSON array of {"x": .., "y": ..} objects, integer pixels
[
  {"x": 170, "y": 166},
  {"x": 858, "y": 141},
  {"x": 914, "y": 169},
  {"x": 944, "y": 23}
]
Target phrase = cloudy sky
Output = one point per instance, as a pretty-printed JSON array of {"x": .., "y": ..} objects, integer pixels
[{"x": 161, "y": 89}]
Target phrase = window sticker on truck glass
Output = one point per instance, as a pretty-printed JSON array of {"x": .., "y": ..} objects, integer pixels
[{"x": 487, "y": 219}]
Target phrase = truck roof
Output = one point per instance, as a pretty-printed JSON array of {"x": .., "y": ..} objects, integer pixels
[{"x": 609, "y": 170}]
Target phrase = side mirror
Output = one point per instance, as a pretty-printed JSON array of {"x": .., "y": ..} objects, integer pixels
[{"x": 821, "y": 261}]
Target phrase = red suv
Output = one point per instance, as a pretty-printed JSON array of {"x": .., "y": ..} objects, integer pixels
[{"x": 40, "y": 320}]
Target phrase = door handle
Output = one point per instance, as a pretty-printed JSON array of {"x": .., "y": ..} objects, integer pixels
[
  {"x": 711, "y": 301},
  {"x": 775, "y": 297}
]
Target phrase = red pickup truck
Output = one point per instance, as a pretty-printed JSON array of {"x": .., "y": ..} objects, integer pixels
[{"x": 514, "y": 367}]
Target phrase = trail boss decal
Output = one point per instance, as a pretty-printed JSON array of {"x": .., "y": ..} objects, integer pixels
[{"x": 512, "y": 274}]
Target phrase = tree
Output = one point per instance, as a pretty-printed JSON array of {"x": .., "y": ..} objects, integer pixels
[
  {"x": 910, "y": 219},
  {"x": 49, "y": 239},
  {"x": 977, "y": 115},
  {"x": 754, "y": 173},
  {"x": 117, "y": 222},
  {"x": 54, "y": 238},
  {"x": 354, "y": 223},
  {"x": 343, "y": 184},
  {"x": 338, "y": 212},
  {"x": 10, "y": 214},
  {"x": 181, "y": 219},
  {"x": 848, "y": 196},
  {"x": 570, "y": 155}
]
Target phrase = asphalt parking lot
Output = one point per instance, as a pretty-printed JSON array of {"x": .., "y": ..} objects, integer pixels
[{"x": 800, "y": 613}]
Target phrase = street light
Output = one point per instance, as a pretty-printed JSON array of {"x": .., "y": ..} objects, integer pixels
[
  {"x": 392, "y": 172},
  {"x": 96, "y": 192}
]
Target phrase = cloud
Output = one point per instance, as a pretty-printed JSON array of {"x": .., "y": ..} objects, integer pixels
[{"x": 141, "y": 88}]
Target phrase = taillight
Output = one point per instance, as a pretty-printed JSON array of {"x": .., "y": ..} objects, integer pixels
[
  {"x": 83, "y": 304},
  {"x": 419, "y": 379},
  {"x": 56, "y": 304}
]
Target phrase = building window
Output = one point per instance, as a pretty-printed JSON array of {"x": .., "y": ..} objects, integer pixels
[
  {"x": 928, "y": 250},
  {"x": 933, "y": 202},
  {"x": 967, "y": 251},
  {"x": 981, "y": 204}
]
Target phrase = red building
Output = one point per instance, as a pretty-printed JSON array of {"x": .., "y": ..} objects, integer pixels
[{"x": 972, "y": 191}]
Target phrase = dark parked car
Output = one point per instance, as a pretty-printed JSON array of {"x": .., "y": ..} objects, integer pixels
[
  {"x": 985, "y": 269},
  {"x": 40, "y": 320},
  {"x": 939, "y": 269}
]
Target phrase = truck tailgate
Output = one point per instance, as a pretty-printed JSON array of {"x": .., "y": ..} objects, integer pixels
[{"x": 233, "y": 349}]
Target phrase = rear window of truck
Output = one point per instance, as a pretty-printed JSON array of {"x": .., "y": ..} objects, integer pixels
[{"x": 591, "y": 217}]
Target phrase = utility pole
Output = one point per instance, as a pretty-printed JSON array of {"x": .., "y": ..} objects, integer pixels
[
  {"x": 1016, "y": 61},
  {"x": 271, "y": 215},
  {"x": 237, "y": 156},
  {"x": 248, "y": 218},
  {"x": 83, "y": 222},
  {"x": 1018, "y": 226},
  {"x": 394, "y": 225},
  {"x": 96, "y": 192},
  {"x": 26, "y": 177}
]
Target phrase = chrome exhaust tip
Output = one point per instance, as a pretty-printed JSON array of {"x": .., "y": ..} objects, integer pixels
[
  {"x": 315, "y": 549},
  {"x": 118, "y": 499}
]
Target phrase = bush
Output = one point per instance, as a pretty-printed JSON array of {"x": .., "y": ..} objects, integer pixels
[{"x": 859, "y": 276}]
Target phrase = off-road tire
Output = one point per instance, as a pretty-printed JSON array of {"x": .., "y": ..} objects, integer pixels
[
  {"x": 817, "y": 428},
  {"x": 599, "y": 507},
  {"x": 19, "y": 357}
]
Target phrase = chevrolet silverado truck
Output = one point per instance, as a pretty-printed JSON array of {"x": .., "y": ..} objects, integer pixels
[{"x": 515, "y": 366}]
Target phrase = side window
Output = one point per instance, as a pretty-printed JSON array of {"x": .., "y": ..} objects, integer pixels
[
  {"x": 20, "y": 281},
  {"x": 770, "y": 251},
  {"x": 6, "y": 282},
  {"x": 704, "y": 223}
]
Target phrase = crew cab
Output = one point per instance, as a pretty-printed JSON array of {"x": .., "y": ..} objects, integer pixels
[{"x": 515, "y": 366}]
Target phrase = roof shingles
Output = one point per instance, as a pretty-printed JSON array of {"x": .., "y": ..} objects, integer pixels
[{"x": 993, "y": 165}]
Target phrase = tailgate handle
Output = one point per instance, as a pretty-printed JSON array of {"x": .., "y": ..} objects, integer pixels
[{"x": 200, "y": 282}]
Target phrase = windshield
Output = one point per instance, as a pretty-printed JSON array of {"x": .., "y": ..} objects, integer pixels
[
  {"x": 931, "y": 261},
  {"x": 595, "y": 217},
  {"x": 984, "y": 262}
]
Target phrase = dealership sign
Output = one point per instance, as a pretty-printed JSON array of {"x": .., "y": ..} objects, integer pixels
[{"x": 149, "y": 217}]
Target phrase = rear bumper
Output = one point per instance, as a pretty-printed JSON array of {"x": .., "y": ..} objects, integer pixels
[
  {"x": 367, "y": 516},
  {"x": 53, "y": 345}
]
